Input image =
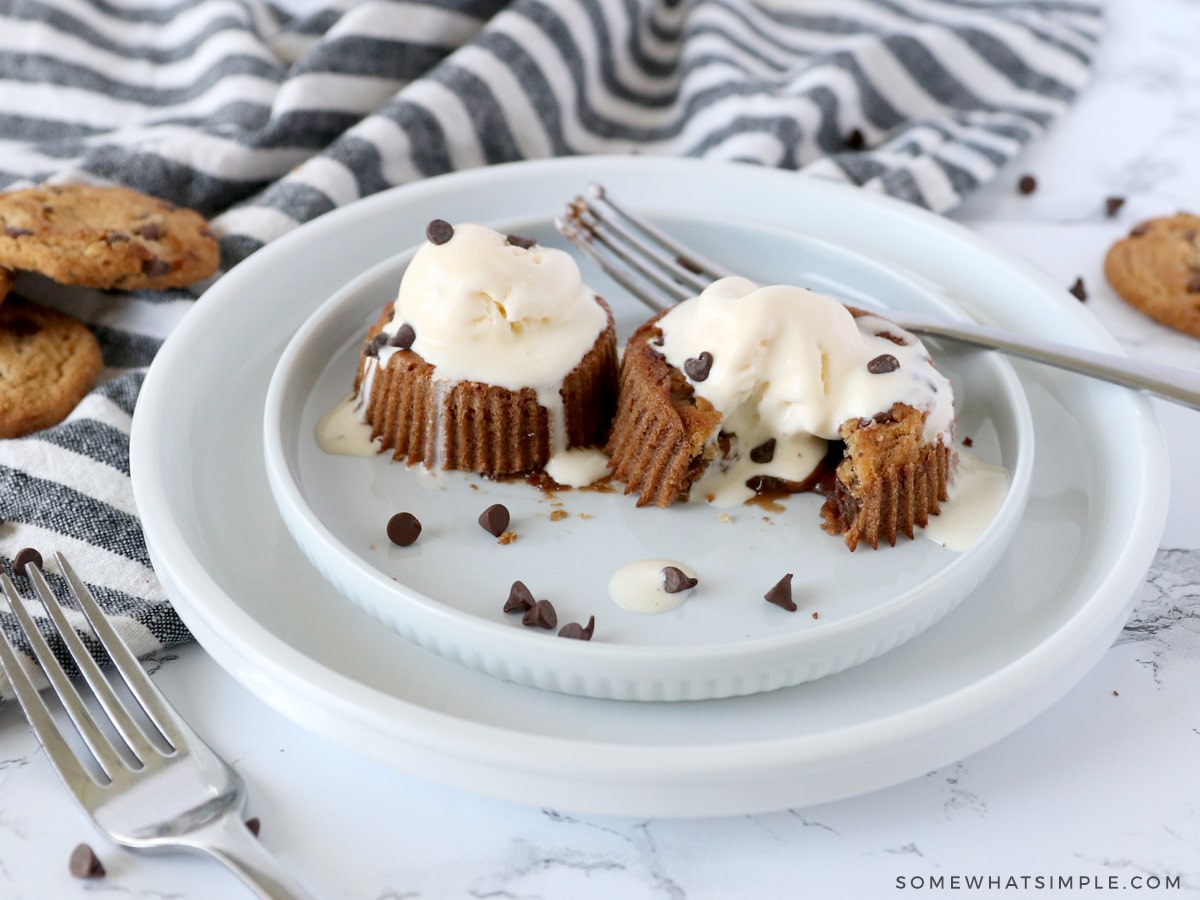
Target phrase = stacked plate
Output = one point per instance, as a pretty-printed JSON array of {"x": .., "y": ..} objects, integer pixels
[{"x": 897, "y": 661}]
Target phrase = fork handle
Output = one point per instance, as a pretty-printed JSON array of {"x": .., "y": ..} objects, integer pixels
[
  {"x": 229, "y": 841},
  {"x": 1179, "y": 385}
]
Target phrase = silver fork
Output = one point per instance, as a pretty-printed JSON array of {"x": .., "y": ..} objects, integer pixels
[
  {"x": 660, "y": 271},
  {"x": 148, "y": 790}
]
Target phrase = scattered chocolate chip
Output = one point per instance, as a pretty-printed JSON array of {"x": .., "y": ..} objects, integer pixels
[
  {"x": 404, "y": 337},
  {"x": 515, "y": 240},
  {"x": 698, "y": 367},
  {"x": 781, "y": 594},
  {"x": 1027, "y": 184},
  {"x": 1193, "y": 285},
  {"x": 676, "y": 580},
  {"x": 882, "y": 364},
  {"x": 375, "y": 343},
  {"x": 1112, "y": 205},
  {"x": 85, "y": 863},
  {"x": 116, "y": 237},
  {"x": 855, "y": 140},
  {"x": 13, "y": 232},
  {"x": 968, "y": 442},
  {"x": 577, "y": 631},
  {"x": 403, "y": 529},
  {"x": 253, "y": 825},
  {"x": 151, "y": 231},
  {"x": 816, "y": 615},
  {"x": 1079, "y": 290},
  {"x": 520, "y": 598},
  {"x": 764, "y": 452},
  {"x": 24, "y": 558},
  {"x": 439, "y": 231},
  {"x": 494, "y": 520},
  {"x": 155, "y": 267},
  {"x": 1139, "y": 229},
  {"x": 540, "y": 615}
]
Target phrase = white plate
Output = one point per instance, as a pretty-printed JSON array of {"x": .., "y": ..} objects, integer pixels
[
  {"x": 446, "y": 592},
  {"x": 1049, "y": 610}
]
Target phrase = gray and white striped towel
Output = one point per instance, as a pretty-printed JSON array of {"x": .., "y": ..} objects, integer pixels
[{"x": 264, "y": 116}]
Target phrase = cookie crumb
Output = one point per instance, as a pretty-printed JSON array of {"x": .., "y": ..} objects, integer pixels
[
  {"x": 506, "y": 538},
  {"x": 557, "y": 515}
]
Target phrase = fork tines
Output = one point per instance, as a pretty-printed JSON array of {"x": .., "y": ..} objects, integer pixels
[
  {"x": 640, "y": 257},
  {"x": 111, "y": 759}
]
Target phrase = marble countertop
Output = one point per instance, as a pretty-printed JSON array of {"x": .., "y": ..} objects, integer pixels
[{"x": 1103, "y": 788}]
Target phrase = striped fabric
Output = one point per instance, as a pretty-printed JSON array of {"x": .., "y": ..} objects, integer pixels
[{"x": 265, "y": 116}]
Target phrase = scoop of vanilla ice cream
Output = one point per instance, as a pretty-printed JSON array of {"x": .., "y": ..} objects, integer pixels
[
  {"x": 790, "y": 364},
  {"x": 488, "y": 310}
]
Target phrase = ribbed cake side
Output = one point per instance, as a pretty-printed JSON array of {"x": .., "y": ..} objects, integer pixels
[
  {"x": 484, "y": 428},
  {"x": 660, "y": 442},
  {"x": 890, "y": 480}
]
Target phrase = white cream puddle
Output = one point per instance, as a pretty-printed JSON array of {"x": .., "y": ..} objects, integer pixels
[
  {"x": 343, "y": 431},
  {"x": 638, "y": 586},
  {"x": 976, "y": 495},
  {"x": 578, "y": 467}
]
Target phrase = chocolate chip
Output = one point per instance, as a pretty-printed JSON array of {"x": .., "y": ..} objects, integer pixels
[
  {"x": 1079, "y": 290},
  {"x": 520, "y": 598},
  {"x": 404, "y": 337},
  {"x": 155, "y": 267},
  {"x": 515, "y": 240},
  {"x": 764, "y": 452},
  {"x": 1112, "y": 205},
  {"x": 577, "y": 631},
  {"x": 676, "y": 580},
  {"x": 439, "y": 231},
  {"x": 781, "y": 594},
  {"x": 1193, "y": 285},
  {"x": 85, "y": 863},
  {"x": 1027, "y": 184},
  {"x": 253, "y": 825},
  {"x": 883, "y": 418},
  {"x": 894, "y": 338},
  {"x": 23, "y": 327},
  {"x": 14, "y": 232},
  {"x": 541, "y": 615},
  {"x": 375, "y": 343},
  {"x": 882, "y": 364},
  {"x": 494, "y": 520},
  {"x": 116, "y": 237},
  {"x": 855, "y": 140},
  {"x": 24, "y": 558},
  {"x": 968, "y": 442},
  {"x": 403, "y": 529},
  {"x": 151, "y": 231},
  {"x": 698, "y": 367},
  {"x": 1139, "y": 229}
]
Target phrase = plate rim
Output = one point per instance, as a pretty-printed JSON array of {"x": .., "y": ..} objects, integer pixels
[{"x": 273, "y": 669}]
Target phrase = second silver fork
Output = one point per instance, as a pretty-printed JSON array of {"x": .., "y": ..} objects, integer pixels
[
  {"x": 660, "y": 271},
  {"x": 155, "y": 786}
]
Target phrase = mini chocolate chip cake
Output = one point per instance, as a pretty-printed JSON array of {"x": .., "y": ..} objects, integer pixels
[
  {"x": 493, "y": 358},
  {"x": 743, "y": 391}
]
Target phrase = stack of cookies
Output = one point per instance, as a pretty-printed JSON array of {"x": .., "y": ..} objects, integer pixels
[{"x": 110, "y": 238}]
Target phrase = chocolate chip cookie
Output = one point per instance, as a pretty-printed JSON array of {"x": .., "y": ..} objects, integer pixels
[
  {"x": 1156, "y": 268},
  {"x": 104, "y": 237},
  {"x": 48, "y": 363}
]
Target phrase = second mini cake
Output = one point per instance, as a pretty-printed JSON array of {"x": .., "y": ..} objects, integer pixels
[
  {"x": 494, "y": 356},
  {"x": 744, "y": 390}
]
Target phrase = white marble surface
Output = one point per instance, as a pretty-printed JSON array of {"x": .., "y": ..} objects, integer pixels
[{"x": 1104, "y": 785}]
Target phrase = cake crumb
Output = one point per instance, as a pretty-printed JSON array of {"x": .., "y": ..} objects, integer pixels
[
  {"x": 724, "y": 517},
  {"x": 558, "y": 515},
  {"x": 585, "y": 515},
  {"x": 506, "y": 537}
]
